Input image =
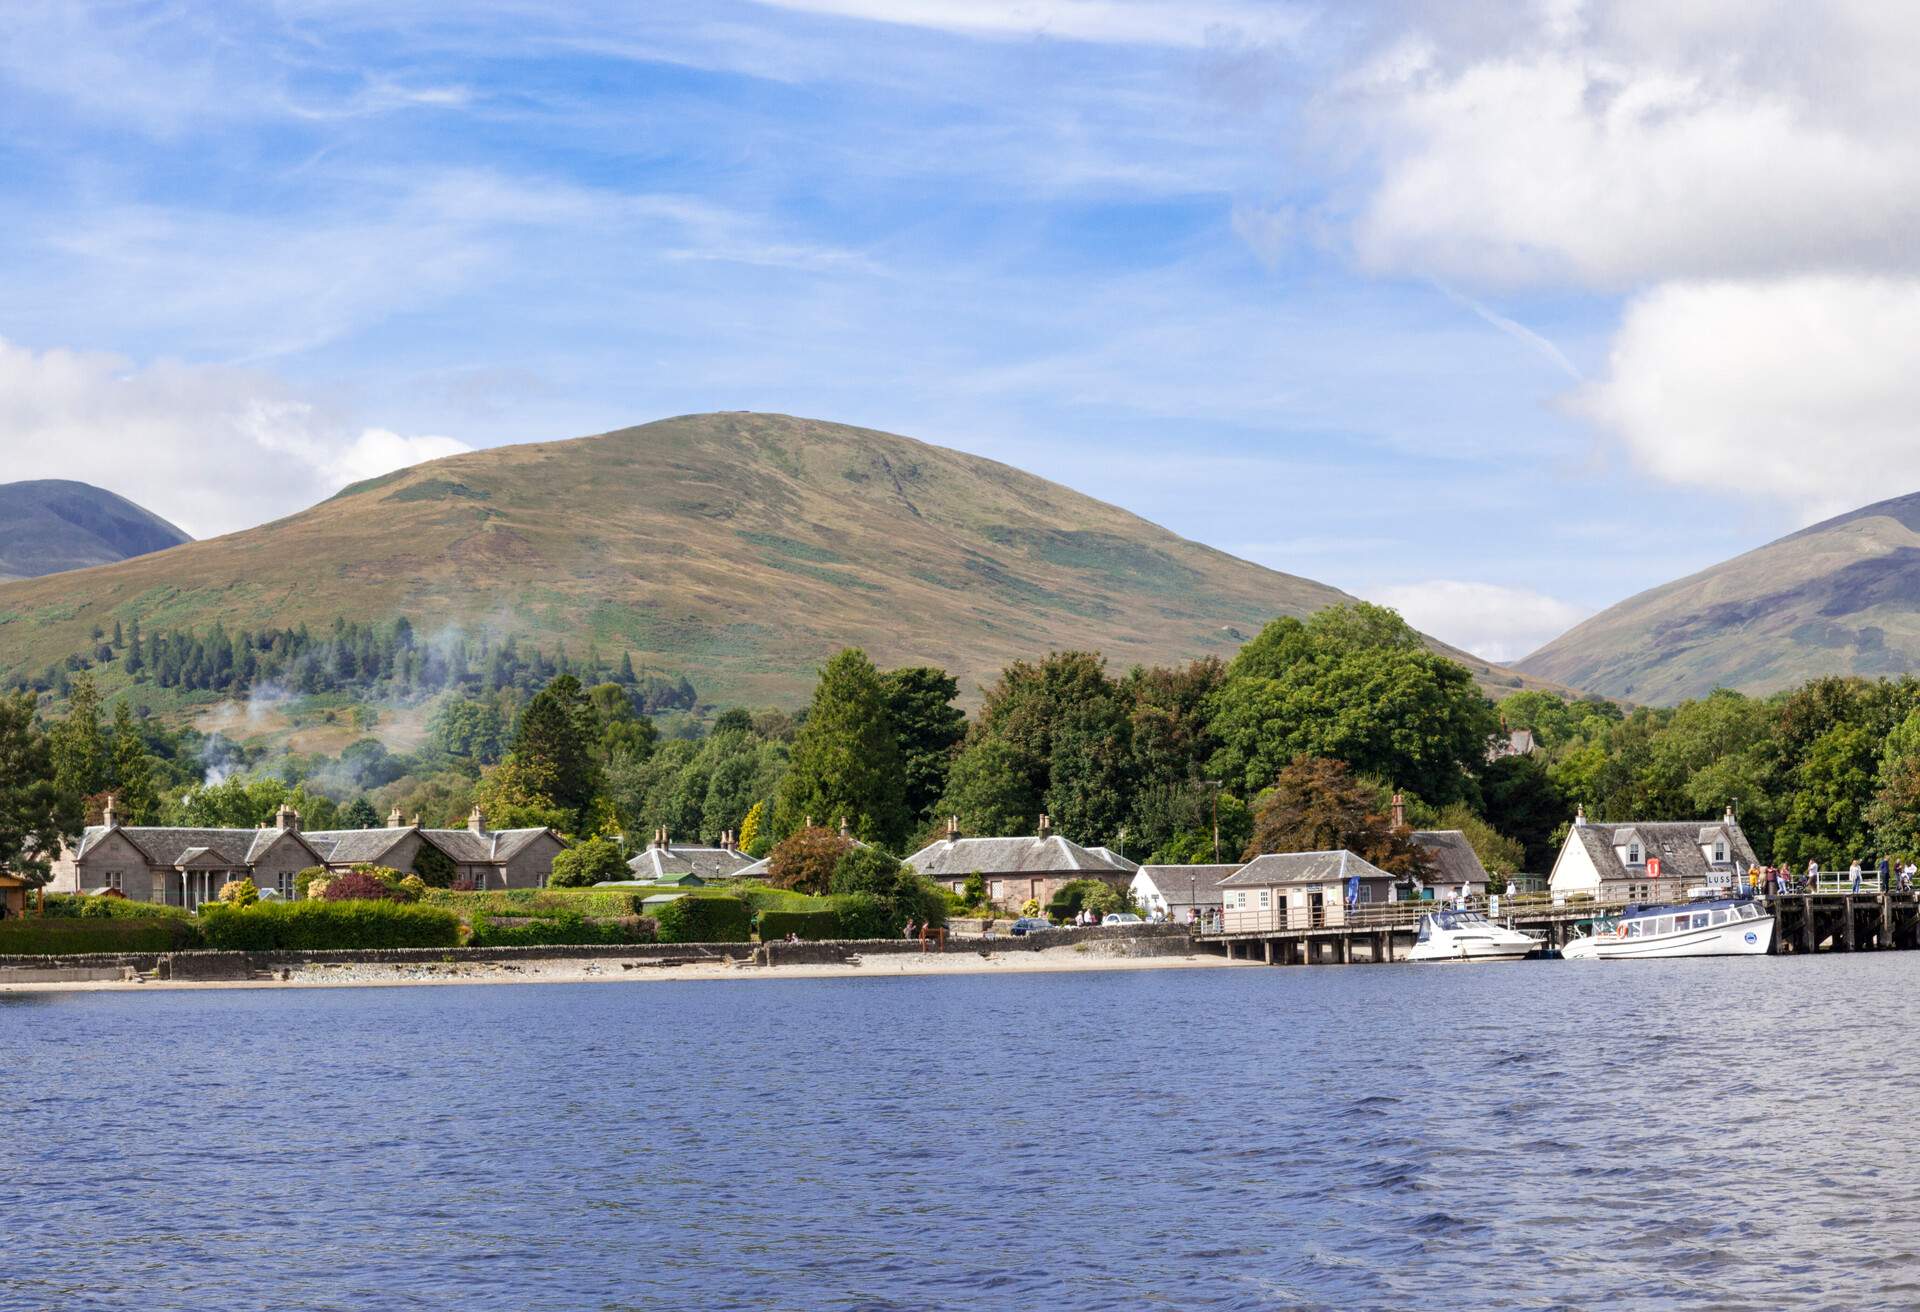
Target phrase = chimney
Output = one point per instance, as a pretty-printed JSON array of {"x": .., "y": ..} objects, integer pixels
[
  {"x": 953, "y": 829},
  {"x": 726, "y": 841},
  {"x": 1728, "y": 819},
  {"x": 846, "y": 830},
  {"x": 288, "y": 819},
  {"x": 1580, "y": 814},
  {"x": 415, "y": 822},
  {"x": 807, "y": 823},
  {"x": 477, "y": 821},
  {"x": 666, "y": 839},
  {"x": 110, "y": 817},
  {"x": 1399, "y": 811},
  {"x": 1046, "y": 825},
  {"x": 395, "y": 820}
]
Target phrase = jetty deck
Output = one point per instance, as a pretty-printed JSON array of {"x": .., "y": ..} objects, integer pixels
[{"x": 1829, "y": 920}]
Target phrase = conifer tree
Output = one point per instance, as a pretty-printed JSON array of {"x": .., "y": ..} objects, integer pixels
[
  {"x": 79, "y": 748},
  {"x": 130, "y": 770},
  {"x": 846, "y": 762},
  {"x": 556, "y": 735}
]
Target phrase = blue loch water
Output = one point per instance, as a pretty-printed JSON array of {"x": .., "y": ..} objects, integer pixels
[{"x": 1724, "y": 1134}]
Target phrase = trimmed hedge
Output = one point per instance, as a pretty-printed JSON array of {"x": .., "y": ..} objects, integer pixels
[
  {"x": 57, "y": 936},
  {"x": 862, "y": 915},
  {"x": 706, "y": 918},
  {"x": 317, "y": 926},
  {"x": 509, "y": 932},
  {"x": 776, "y": 925},
  {"x": 538, "y": 903},
  {"x": 68, "y": 906}
]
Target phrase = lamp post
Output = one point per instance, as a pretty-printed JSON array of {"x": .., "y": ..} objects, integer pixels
[{"x": 1215, "y": 785}]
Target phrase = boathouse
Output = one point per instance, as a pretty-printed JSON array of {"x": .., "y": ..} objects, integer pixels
[{"x": 1299, "y": 890}]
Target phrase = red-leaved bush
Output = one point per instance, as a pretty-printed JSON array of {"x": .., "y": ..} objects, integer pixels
[{"x": 356, "y": 887}]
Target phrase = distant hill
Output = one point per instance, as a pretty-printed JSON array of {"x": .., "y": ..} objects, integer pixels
[
  {"x": 1841, "y": 597},
  {"x": 738, "y": 549},
  {"x": 51, "y": 524}
]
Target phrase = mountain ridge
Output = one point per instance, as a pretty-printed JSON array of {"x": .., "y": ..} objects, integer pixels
[
  {"x": 740, "y": 548},
  {"x": 51, "y": 525},
  {"x": 1838, "y": 597}
]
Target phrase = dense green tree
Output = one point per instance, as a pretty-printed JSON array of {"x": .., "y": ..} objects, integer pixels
[
  {"x": 806, "y": 859},
  {"x": 467, "y": 729},
  {"x": 1520, "y": 800},
  {"x": 989, "y": 792},
  {"x": 518, "y": 793},
  {"x": 588, "y": 862},
  {"x": 556, "y": 737},
  {"x": 846, "y": 763},
  {"x": 623, "y": 730},
  {"x": 1090, "y": 782},
  {"x": 245, "y": 801},
  {"x": 1826, "y": 818},
  {"x": 1355, "y": 684},
  {"x": 1174, "y": 825},
  {"x": 130, "y": 773},
  {"x": 359, "y": 814},
  {"x": 80, "y": 765},
  {"x": 1317, "y": 805},
  {"x": 1169, "y": 729},
  {"x": 37, "y": 816},
  {"x": 928, "y": 728}
]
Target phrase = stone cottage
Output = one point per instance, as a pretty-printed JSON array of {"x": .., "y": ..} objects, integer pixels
[
  {"x": 185, "y": 867},
  {"x": 1016, "y": 869}
]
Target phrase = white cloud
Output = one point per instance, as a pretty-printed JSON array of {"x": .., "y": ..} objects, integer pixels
[
  {"x": 212, "y": 449},
  {"x": 1493, "y": 622},
  {"x": 1804, "y": 389},
  {"x": 1117, "y": 22}
]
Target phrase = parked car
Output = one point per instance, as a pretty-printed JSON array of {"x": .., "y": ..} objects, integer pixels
[
  {"x": 1122, "y": 918},
  {"x": 1031, "y": 925}
]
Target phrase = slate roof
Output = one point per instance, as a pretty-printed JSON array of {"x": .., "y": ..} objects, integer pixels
[
  {"x": 203, "y": 858},
  {"x": 1303, "y": 868},
  {"x": 1453, "y": 858},
  {"x": 952, "y": 858},
  {"x": 1182, "y": 886},
  {"x": 1113, "y": 856},
  {"x": 1676, "y": 842},
  {"x": 167, "y": 846},
  {"x": 706, "y": 862}
]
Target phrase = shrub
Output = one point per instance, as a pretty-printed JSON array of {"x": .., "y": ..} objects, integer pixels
[
  {"x": 507, "y": 931},
  {"x": 806, "y": 859},
  {"x": 1031, "y": 907},
  {"x": 462, "y": 886},
  {"x": 303, "y": 881},
  {"x": 435, "y": 868},
  {"x": 57, "y": 935},
  {"x": 587, "y": 863},
  {"x": 66, "y": 906},
  {"x": 316, "y": 926},
  {"x": 411, "y": 888},
  {"x": 975, "y": 889},
  {"x": 242, "y": 892},
  {"x": 822, "y": 924},
  {"x": 862, "y": 915},
  {"x": 538, "y": 903},
  {"x": 762, "y": 898},
  {"x": 1090, "y": 894},
  {"x": 355, "y": 887},
  {"x": 318, "y": 888},
  {"x": 706, "y": 918}
]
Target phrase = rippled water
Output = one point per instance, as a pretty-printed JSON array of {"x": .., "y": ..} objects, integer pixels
[{"x": 1728, "y": 1134}]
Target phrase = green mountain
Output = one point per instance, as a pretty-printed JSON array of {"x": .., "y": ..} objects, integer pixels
[
  {"x": 1841, "y": 597},
  {"x": 51, "y": 524},
  {"x": 737, "y": 549}
]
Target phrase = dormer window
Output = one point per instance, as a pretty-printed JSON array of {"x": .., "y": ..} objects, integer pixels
[
  {"x": 1633, "y": 854},
  {"x": 1720, "y": 852}
]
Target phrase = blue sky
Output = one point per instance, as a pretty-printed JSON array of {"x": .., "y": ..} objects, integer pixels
[{"x": 1498, "y": 315}]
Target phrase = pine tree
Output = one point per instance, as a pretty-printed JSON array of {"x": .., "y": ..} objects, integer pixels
[
  {"x": 136, "y": 659},
  {"x": 846, "y": 762},
  {"x": 556, "y": 736},
  {"x": 626, "y": 669},
  {"x": 79, "y": 749},
  {"x": 119, "y": 639},
  {"x": 130, "y": 770}
]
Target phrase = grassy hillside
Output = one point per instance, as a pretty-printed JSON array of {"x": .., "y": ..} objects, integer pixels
[
  {"x": 739, "y": 549},
  {"x": 49, "y": 525},
  {"x": 1841, "y": 597}
]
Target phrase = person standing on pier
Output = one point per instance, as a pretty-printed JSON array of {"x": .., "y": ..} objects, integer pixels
[{"x": 1853, "y": 876}]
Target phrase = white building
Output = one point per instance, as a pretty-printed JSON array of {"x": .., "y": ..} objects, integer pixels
[{"x": 1647, "y": 860}]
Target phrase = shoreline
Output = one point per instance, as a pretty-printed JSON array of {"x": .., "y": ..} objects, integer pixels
[{"x": 573, "y": 970}]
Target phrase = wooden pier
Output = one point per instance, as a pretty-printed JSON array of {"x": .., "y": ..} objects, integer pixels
[{"x": 1803, "y": 922}]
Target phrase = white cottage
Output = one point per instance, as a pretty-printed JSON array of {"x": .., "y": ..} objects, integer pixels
[{"x": 1642, "y": 860}]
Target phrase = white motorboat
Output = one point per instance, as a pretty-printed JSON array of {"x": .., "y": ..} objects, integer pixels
[
  {"x": 1722, "y": 928},
  {"x": 1468, "y": 936}
]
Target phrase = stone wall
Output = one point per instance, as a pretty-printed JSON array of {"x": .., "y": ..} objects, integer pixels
[{"x": 1103, "y": 940}]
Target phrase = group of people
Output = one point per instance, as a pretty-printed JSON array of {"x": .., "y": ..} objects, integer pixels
[{"x": 1892, "y": 876}]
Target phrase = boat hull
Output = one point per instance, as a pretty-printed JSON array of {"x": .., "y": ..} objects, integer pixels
[
  {"x": 1462, "y": 948},
  {"x": 1739, "y": 938}
]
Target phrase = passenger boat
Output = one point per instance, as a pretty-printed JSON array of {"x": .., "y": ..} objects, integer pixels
[
  {"x": 1727, "y": 927},
  {"x": 1468, "y": 936}
]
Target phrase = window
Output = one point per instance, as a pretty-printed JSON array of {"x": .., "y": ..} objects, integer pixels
[
  {"x": 286, "y": 885},
  {"x": 999, "y": 890},
  {"x": 1366, "y": 894},
  {"x": 1266, "y": 899},
  {"x": 1633, "y": 854},
  {"x": 1719, "y": 917},
  {"x": 113, "y": 881},
  {"x": 1720, "y": 852},
  {"x": 1664, "y": 925}
]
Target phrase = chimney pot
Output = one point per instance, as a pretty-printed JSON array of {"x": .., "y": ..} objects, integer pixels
[
  {"x": 846, "y": 831},
  {"x": 477, "y": 821},
  {"x": 395, "y": 820},
  {"x": 111, "y": 816},
  {"x": 1399, "y": 811}
]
